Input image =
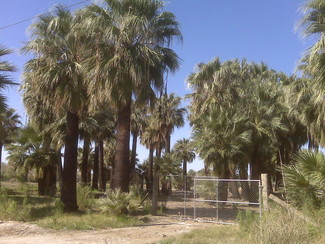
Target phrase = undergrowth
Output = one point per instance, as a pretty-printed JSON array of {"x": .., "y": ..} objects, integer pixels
[{"x": 21, "y": 205}]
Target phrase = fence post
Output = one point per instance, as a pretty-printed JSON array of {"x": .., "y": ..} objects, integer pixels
[
  {"x": 185, "y": 192},
  {"x": 264, "y": 191},
  {"x": 155, "y": 192}
]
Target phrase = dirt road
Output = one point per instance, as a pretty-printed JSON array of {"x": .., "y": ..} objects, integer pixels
[{"x": 161, "y": 228}]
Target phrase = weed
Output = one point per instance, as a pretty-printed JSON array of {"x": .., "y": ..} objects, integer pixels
[
  {"x": 247, "y": 219},
  {"x": 118, "y": 202},
  {"x": 89, "y": 221},
  {"x": 85, "y": 199},
  {"x": 282, "y": 226}
]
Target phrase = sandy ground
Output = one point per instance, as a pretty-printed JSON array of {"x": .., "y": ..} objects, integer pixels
[{"x": 161, "y": 228}]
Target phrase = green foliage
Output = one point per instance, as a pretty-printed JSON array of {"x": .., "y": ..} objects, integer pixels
[
  {"x": 246, "y": 219},
  {"x": 119, "y": 203},
  {"x": 282, "y": 226},
  {"x": 88, "y": 221},
  {"x": 219, "y": 234},
  {"x": 305, "y": 180},
  {"x": 20, "y": 203},
  {"x": 85, "y": 198},
  {"x": 275, "y": 227},
  {"x": 11, "y": 209},
  {"x": 206, "y": 189}
]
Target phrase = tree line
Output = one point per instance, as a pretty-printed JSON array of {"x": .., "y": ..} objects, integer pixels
[{"x": 97, "y": 76}]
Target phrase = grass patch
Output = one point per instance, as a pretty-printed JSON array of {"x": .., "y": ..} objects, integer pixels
[
  {"x": 283, "y": 226},
  {"x": 21, "y": 203},
  {"x": 279, "y": 226},
  {"x": 217, "y": 234},
  {"x": 88, "y": 221}
]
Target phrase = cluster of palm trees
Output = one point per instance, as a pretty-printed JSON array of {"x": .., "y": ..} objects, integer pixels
[
  {"x": 249, "y": 119},
  {"x": 96, "y": 77},
  {"x": 91, "y": 73},
  {"x": 243, "y": 124},
  {"x": 9, "y": 119}
]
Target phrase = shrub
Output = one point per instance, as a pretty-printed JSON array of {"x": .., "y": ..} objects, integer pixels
[
  {"x": 305, "y": 180},
  {"x": 11, "y": 210},
  {"x": 247, "y": 219},
  {"x": 282, "y": 226},
  {"x": 118, "y": 202},
  {"x": 85, "y": 198}
]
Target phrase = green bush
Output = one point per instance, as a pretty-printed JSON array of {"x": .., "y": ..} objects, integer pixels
[
  {"x": 305, "y": 180},
  {"x": 11, "y": 210},
  {"x": 281, "y": 226},
  {"x": 85, "y": 198},
  {"x": 118, "y": 202},
  {"x": 247, "y": 219}
]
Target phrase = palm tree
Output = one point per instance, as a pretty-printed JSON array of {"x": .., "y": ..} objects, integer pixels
[
  {"x": 5, "y": 68},
  {"x": 312, "y": 23},
  {"x": 241, "y": 117},
  {"x": 305, "y": 179},
  {"x": 169, "y": 115},
  {"x": 168, "y": 166},
  {"x": 55, "y": 76},
  {"x": 139, "y": 121},
  {"x": 183, "y": 150},
  {"x": 9, "y": 124},
  {"x": 29, "y": 152},
  {"x": 137, "y": 34}
]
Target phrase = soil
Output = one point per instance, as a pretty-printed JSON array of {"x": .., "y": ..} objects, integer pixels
[{"x": 158, "y": 229}]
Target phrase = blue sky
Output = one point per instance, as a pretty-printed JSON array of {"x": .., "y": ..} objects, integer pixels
[{"x": 258, "y": 30}]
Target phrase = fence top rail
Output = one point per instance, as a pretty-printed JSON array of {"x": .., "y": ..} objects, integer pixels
[
  {"x": 188, "y": 176},
  {"x": 216, "y": 179},
  {"x": 207, "y": 177},
  {"x": 230, "y": 202}
]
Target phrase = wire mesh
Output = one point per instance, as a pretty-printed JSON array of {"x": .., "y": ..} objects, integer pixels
[{"x": 211, "y": 199}]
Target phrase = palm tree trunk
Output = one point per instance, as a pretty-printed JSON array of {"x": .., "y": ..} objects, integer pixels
[
  {"x": 84, "y": 163},
  {"x": 167, "y": 143},
  {"x": 1, "y": 146},
  {"x": 243, "y": 168},
  {"x": 184, "y": 175},
  {"x": 95, "y": 169},
  {"x": 102, "y": 176},
  {"x": 256, "y": 169},
  {"x": 122, "y": 160},
  {"x": 111, "y": 182},
  {"x": 49, "y": 180},
  {"x": 150, "y": 174},
  {"x": 233, "y": 186},
  {"x": 134, "y": 152},
  {"x": 155, "y": 190},
  {"x": 69, "y": 174},
  {"x": 255, "y": 164},
  {"x": 59, "y": 168}
]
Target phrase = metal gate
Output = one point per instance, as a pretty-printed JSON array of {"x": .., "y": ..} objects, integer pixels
[{"x": 209, "y": 199}]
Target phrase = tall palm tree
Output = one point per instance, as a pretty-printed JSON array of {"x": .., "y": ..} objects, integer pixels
[
  {"x": 5, "y": 80},
  {"x": 9, "y": 124},
  {"x": 183, "y": 150},
  {"x": 169, "y": 115},
  {"x": 312, "y": 66},
  {"x": 139, "y": 121},
  {"x": 237, "y": 91},
  {"x": 312, "y": 23},
  {"x": 5, "y": 68},
  {"x": 55, "y": 76},
  {"x": 137, "y": 34}
]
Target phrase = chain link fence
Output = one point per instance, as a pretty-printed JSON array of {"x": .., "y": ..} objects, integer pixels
[{"x": 211, "y": 199}]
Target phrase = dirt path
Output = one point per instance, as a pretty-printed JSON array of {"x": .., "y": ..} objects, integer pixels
[{"x": 159, "y": 229}]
